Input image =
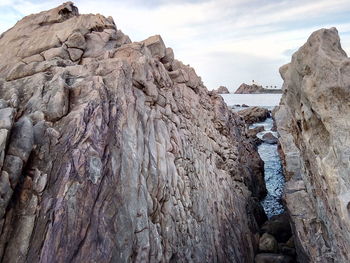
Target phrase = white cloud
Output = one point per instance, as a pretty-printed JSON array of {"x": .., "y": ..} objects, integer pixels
[{"x": 227, "y": 41}]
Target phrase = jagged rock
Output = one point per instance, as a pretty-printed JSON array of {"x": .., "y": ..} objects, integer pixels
[
  {"x": 254, "y": 114},
  {"x": 252, "y": 134},
  {"x": 273, "y": 258},
  {"x": 313, "y": 124},
  {"x": 116, "y": 151},
  {"x": 269, "y": 138},
  {"x": 157, "y": 47},
  {"x": 268, "y": 243}
]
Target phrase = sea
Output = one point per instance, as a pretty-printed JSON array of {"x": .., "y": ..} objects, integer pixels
[
  {"x": 268, "y": 100},
  {"x": 273, "y": 172}
]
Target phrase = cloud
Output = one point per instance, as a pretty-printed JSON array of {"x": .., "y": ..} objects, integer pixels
[{"x": 227, "y": 41}]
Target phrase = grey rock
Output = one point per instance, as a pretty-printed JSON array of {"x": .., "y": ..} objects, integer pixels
[
  {"x": 273, "y": 258},
  {"x": 13, "y": 166},
  {"x": 6, "y": 118},
  {"x": 268, "y": 243},
  {"x": 157, "y": 47},
  {"x": 312, "y": 121},
  {"x": 129, "y": 160},
  {"x": 269, "y": 138}
]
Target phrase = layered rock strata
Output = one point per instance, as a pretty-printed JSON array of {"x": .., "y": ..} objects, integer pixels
[
  {"x": 313, "y": 123},
  {"x": 113, "y": 151}
]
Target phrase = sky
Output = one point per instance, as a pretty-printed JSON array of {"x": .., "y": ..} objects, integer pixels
[{"x": 227, "y": 42}]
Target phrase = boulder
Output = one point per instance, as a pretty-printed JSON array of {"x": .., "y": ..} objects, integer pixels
[
  {"x": 157, "y": 47},
  {"x": 268, "y": 243},
  {"x": 254, "y": 114},
  {"x": 269, "y": 138}
]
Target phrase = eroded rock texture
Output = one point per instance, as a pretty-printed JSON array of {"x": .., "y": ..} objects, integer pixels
[
  {"x": 112, "y": 151},
  {"x": 313, "y": 123}
]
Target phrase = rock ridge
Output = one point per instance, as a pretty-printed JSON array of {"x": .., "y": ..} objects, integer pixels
[
  {"x": 114, "y": 151},
  {"x": 313, "y": 124}
]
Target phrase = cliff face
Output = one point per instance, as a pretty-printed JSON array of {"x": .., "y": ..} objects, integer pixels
[
  {"x": 113, "y": 151},
  {"x": 314, "y": 124}
]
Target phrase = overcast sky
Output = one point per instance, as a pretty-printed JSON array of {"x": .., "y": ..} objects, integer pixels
[{"x": 227, "y": 41}]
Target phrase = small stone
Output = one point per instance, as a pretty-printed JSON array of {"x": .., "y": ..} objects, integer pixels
[
  {"x": 268, "y": 243},
  {"x": 269, "y": 138},
  {"x": 75, "y": 53}
]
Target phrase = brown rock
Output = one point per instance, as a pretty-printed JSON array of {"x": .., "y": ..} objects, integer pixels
[
  {"x": 269, "y": 138},
  {"x": 313, "y": 122},
  {"x": 254, "y": 114},
  {"x": 120, "y": 153},
  {"x": 268, "y": 243}
]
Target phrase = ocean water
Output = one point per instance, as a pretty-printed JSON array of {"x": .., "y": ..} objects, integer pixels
[
  {"x": 252, "y": 99},
  {"x": 273, "y": 172}
]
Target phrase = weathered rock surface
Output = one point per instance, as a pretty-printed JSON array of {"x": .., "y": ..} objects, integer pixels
[
  {"x": 313, "y": 123},
  {"x": 273, "y": 258},
  {"x": 254, "y": 114},
  {"x": 222, "y": 90},
  {"x": 113, "y": 151}
]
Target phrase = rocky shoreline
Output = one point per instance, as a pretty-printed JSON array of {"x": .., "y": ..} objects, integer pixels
[{"x": 115, "y": 151}]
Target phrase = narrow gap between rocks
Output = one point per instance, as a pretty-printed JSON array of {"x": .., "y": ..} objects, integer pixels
[{"x": 276, "y": 243}]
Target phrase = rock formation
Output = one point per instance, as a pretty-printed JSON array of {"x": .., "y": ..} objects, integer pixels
[
  {"x": 248, "y": 89},
  {"x": 313, "y": 123},
  {"x": 222, "y": 90},
  {"x": 255, "y": 89},
  {"x": 254, "y": 114},
  {"x": 113, "y": 151}
]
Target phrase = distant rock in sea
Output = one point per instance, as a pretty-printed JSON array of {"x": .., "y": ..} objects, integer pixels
[
  {"x": 255, "y": 89},
  {"x": 222, "y": 90}
]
